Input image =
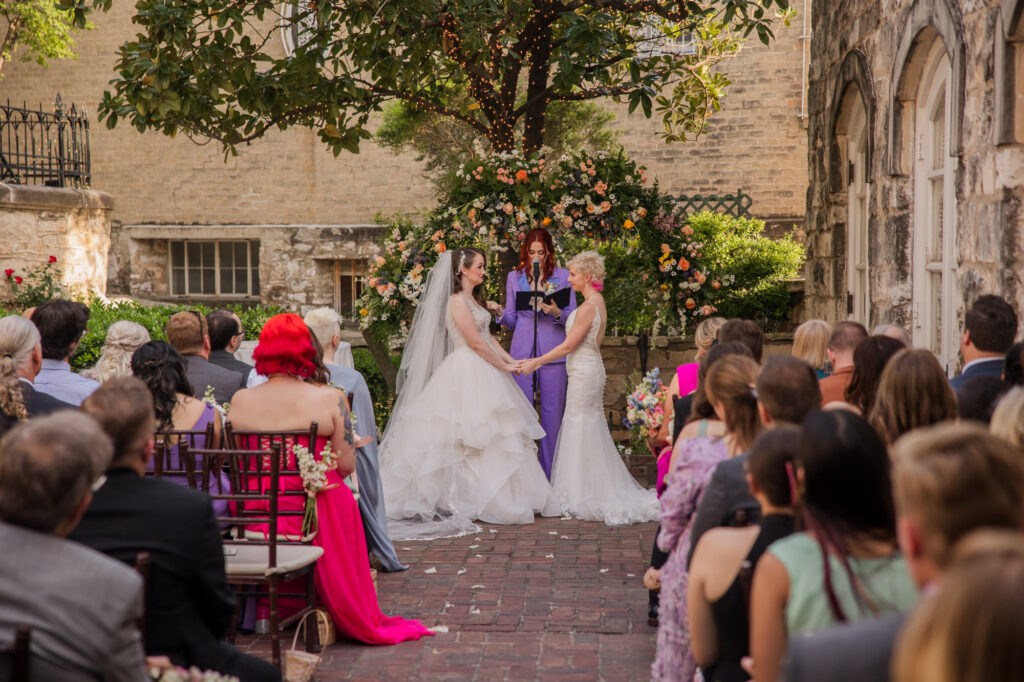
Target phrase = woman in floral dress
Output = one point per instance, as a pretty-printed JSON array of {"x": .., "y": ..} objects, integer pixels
[{"x": 729, "y": 383}]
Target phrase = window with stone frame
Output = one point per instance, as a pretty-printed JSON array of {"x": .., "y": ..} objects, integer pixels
[
  {"x": 934, "y": 211},
  {"x": 656, "y": 40},
  {"x": 1008, "y": 73},
  {"x": 857, "y": 213},
  {"x": 228, "y": 269},
  {"x": 349, "y": 280}
]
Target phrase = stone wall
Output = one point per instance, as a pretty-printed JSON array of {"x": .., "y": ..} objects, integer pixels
[
  {"x": 71, "y": 225},
  {"x": 875, "y": 48},
  {"x": 757, "y": 143}
]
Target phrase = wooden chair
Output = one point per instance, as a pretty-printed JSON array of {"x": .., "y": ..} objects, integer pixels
[
  {"x": 165, "y": 453},
  {"x": 18, "y": 655},
  {"x": 142, "y": 562},
  {"x": 256, "y": 556},
  {"x": 285, "y": 440}
]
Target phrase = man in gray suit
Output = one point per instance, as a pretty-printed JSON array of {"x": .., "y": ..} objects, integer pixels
[
  {"x": 932, "y": 470},
  {"x": 188, "y": 333},
  {"x": 81, "y": 606}
]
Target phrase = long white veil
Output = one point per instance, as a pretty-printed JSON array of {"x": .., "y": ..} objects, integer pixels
[{"x": 428, "y": 345}]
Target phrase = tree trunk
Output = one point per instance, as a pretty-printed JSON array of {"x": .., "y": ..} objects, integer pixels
[
  {"x": 533, "y": 128},
  {"x": 383, "y": 359},
  {"x": 502, "y": 135}
]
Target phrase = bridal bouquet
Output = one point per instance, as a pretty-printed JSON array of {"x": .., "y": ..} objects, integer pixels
[
  {"x": 314, "y": 479},
  {"x": 644, "y": 409}
]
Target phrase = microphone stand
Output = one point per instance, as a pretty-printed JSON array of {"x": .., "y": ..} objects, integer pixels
[{"x": 536, "y": 284}]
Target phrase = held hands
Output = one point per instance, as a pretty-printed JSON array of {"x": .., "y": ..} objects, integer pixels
[
  {"x": 527, "y": 366},
  {"x": 495, "y": 309}
]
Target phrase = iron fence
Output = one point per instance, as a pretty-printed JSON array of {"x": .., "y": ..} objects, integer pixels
[
  {"x": 737, "y": 205},
  {"x": 38, "y": 147}
]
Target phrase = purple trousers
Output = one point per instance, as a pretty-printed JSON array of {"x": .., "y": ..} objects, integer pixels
[{"x": 551, "y": 382}]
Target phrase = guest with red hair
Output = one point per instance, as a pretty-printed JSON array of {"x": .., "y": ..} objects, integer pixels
[
  {"x": 290, "y": 400},
  {"x": 551, "y": 378}
]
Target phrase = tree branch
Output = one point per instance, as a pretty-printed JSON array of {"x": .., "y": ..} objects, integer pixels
[
  {"x": 427, "y": 104},
  {"x": 650, "y": 6}
]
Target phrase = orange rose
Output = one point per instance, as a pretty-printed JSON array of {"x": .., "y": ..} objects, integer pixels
[
  {"x": 690, "y": 304},
  {"x": 629, "y": 224},
  {"x": 546, "y": 221},
  {"x": 521, "y": 176},
  {"x": 440, "y": 248}
]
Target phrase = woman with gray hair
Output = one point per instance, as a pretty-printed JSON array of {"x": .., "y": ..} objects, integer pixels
[
  {"x": 124, "y": 337},
  {"x": 21, "y": 356}
]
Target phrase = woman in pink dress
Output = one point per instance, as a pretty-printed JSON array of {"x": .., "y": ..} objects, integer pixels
[
  {"x": 289, "y": 401},
  {"x": 729, "y": 390}
]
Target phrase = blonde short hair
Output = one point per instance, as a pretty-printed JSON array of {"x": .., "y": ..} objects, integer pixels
[
  {"x": 1008, "y": 418},
  {"x": 811, "y": 341},
  {"x": 324, "y": 323},
  {"x": 123, "y": 338},
  {"x": 707, "y": 332},
  {"x": 970, "y": 630},
  {"x": 589, "y": 263}
]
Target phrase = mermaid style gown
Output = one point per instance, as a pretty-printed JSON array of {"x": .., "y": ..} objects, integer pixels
[
  {"x": 588, "y": 475},
  {"x": 464, "y": 450}
]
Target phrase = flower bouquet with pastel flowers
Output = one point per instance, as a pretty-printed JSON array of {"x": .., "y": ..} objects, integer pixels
[{"x": 644, "y": 407}]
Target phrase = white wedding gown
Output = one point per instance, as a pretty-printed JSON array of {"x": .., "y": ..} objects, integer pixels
[
  {"x": 464, "y": 450},
  {"x": 588, "y": 475}
]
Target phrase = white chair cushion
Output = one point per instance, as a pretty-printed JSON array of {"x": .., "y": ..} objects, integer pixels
[{"x": 246, "y": 560}]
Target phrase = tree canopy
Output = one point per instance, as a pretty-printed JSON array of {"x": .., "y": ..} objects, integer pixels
[
  {"x": 39, "y": 28},
  {"x": 211, "y": 69}
]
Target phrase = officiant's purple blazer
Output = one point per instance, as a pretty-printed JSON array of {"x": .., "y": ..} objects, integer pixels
[{"x": 550, "y": 332}]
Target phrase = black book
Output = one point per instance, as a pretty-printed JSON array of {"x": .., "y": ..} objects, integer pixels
[{"x": 524, "y": 299}]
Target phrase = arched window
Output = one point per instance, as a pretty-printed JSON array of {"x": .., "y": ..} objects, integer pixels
[
  {"x": 934, "y": 210},
  {"x": 857, "y": 252}
]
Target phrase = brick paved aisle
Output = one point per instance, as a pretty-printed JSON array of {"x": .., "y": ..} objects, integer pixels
[{"x": 557, "y": 600}]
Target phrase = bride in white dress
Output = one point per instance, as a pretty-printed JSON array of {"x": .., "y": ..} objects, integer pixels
[
  {"x": 460, "y": 443},
  {"x": 588, "y": 475}
]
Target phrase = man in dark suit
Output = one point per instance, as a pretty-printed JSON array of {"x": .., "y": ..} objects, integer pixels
[
  {"x": 989, "y": 329},
  {"x": 82, "y": 606},
  {"x": 226, "y": 335},
  {"x": 931, "y": 469},
  {"x": 20, "y": 340},
  {"x": 188, "y": 333},
  {"x": 189, "y": 603},
  {"x": 787, "y": 391}
]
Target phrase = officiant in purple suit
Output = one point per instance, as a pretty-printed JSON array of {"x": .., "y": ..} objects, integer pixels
[{"x": 551, "y": 378}]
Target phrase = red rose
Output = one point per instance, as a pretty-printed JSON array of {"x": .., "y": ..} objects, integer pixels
[
  {"x": 9, "y": 272},
  {"x": 18, "y": 280},
  {"x": 53, "y": 259}
]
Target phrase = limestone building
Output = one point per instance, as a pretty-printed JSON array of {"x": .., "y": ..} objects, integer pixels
[
  {"x": 916, "y": 163},
  {"x": 286, "y": 222}
]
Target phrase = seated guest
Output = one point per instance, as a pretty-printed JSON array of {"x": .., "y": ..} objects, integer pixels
[
  {"x": 970, "y": 630},
  {"x": 226, "y": 336},
  {"x": 990, "y": 326},
  {"x": 787, "y": 391},
  {"x": 716, "y": 598},
  {"x": 912, "y": 392},
  {"x": 978, "y": 397},
  {"x": 123, "y": 338},
  {"x": 81, "y": 605},
  {"x": 61, "y": 325},
  {"x": 287, "y": 401},
  {"x": 189, "y": 603},
  {"x": 931, "y": 470},
  {"x": 164, "y": 374},
  {"x": 20, "y": 359},
  {"x": 187, "y": 332},
  {"x": 841, "y": 345},
  {"x": 1008, "y": 417},
  {"x": 1013, "y": 365},
  {"x": 893, "y": 331},
  {"x": 869, "y": 359},
  {"x": 846, "y": 566},
  {"x": 728, "y": 389},
  {"x": 325, "y": 324},
  {"x": 746, "y": 332},
  {"x": 810, "y": 344},
  {"x": 684, "y": 382}
]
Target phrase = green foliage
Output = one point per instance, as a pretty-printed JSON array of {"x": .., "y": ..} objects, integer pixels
[
  {"x": 37, "y": 284},
  {"x": 211, "y": 69},
  {"x": 40, "y": 28},
  {"x": 383, "y": 398}
]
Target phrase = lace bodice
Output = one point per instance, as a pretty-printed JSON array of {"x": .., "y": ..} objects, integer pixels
[
  {"x": 586, "y": 369},
  {"x": 480, "y": 316}
]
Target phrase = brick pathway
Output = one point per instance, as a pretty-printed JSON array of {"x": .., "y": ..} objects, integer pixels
[{"x": 557, "y": 600}]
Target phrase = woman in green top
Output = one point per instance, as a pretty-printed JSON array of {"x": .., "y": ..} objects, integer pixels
[{"x": 846, "y": 566}]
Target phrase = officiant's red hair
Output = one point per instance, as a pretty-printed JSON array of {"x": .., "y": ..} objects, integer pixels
[
  {"x": 538, "y": 234},
  {"x": 285, "y": 348}
]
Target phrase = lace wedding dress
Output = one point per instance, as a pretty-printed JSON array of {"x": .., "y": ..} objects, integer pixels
[
  {"x": 463, "y": 449},
  {"x": 588, "y": 475}
]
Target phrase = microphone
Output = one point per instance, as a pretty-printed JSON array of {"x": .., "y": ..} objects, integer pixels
[{"x": 536, "y": 269}]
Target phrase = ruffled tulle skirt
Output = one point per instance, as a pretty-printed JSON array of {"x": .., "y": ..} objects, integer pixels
[{"x": 463, "y": 450}]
